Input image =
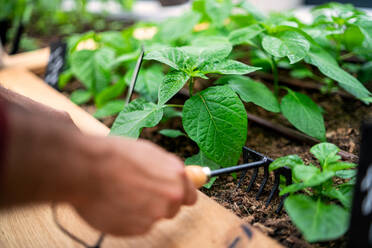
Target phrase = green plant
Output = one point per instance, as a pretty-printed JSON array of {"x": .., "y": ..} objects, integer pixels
[
  {"x": 319, "y": 199},
  {"x": 214, "y": 118}
]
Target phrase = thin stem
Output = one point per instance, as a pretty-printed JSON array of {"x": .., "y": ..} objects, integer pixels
[
  {"x": 274, "y": 69},
  {"x": 346, "y": 56},
  {"x": 174, "y": 105},
  {"x": 191, "y": 86}
]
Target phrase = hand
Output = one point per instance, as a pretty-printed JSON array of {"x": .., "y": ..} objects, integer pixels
[{"x": 132, "y": 184}]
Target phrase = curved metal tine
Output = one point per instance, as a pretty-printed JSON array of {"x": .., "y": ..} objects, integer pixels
[
  {"x": 241, "y": 178},
  {"x": 287, "y": 173},
  {"x": 281, "y": 204},
  {"x": 274, "y": 189},
  {"x": 253, "y": 179},
  {"x": 246, "y": 157},
  {"x": 264, "y": 181}
]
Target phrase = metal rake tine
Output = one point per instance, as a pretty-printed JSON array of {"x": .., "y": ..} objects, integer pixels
[
  {"x": 274, "y": 189},
  {"x": 253, "y": 179},
  {"x": 281, "y": 204},
  {"x": 264, "y": 181},
  {"x": 241, "y": 178}
]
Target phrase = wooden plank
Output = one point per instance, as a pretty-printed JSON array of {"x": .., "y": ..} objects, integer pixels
[
  {"x": 206, "y": 224},
  {"x": 35, "y": 61}
]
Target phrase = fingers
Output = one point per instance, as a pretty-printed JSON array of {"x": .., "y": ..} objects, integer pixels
[{"x": 190, "y": 193}]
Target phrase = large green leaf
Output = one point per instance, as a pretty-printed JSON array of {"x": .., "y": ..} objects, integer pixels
[
  {"x": 172, "y": 83},
  {"x": 304, "y": 114},
  {"x": 244, "y": 35},
  {"x": 135, "y": 116},
  {"x": 287, "y": 44},
  {"x": 111, "y": 108},
  {"x": 228, "y": 67},
  {"x": 253, "y": 91},
  {"x": 329, "y": 67},
  {"x": 317, "y": 220},
  {"x": 216, "y": 120},
  {"x": 202, "y": 160},
  {"x": 92, "y": 68}
]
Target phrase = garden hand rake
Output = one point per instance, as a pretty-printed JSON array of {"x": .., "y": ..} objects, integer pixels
[{"x": 200, "y": 175}]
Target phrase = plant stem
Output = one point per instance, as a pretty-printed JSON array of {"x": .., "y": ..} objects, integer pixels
[
  {"x": 191, "y": 86},
  {"x": 174, "y": 105},
  {"x": 346, "y": 56},
  {"x": 274, "y": 69}
]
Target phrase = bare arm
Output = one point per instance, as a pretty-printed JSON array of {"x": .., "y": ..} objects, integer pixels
[{"x": 120, "y": 186}]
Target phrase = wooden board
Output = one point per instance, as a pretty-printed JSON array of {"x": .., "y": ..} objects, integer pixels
[{"x": 206, "y": 224}]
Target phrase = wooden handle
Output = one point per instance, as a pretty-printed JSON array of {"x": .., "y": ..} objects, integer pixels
[{"x": 196, "y": 175}]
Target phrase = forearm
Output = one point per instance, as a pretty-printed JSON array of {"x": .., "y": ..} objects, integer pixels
[
  {"x": 37, "y": 165},
  {"x": 25, "y": 104}
]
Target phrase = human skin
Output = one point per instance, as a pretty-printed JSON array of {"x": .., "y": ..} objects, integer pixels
[{"x": 119, "y": 186}]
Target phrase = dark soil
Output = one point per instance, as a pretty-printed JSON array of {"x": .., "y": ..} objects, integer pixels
[{"x": 342, "y": 118}]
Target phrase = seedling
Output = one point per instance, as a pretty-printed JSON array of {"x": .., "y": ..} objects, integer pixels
[{"x": 319, "y": 199}]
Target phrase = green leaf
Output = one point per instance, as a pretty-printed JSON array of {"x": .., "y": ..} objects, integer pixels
[
  {"x": 80, "y": 96},
  {"x": 170, "y": 113},
  {"x": 352, "y": 37},
  {"x": 304, "y": 173},
  {"x": 216, "y": 120},
  {"x": 228, "y": 67},
  {"x": 172, "y": 83},
  {"x": 344, "y": 195},
  {"x": 64, "y": 78},
  {"x": 287, "y": 44},
  {"x": 319, "y": 178},
  {"x": 135, "y": 116},
  {"x": 346, "y": 174},
  {"x": 111, "y": 92},
  {"x": 124, "y": 58},
  {"x": 304, "y": 114},
  {"x": 292, "y": 188},
  {"x": 290, "y": 161},
  {"x": 340, "y": 165},
  {"x": 218, "y": 11},
  {"x": 301, "y": 73},
  {"x": 149, "y": 81},
  {"x": 316, "y": 220},
  {"x": 329, "y": 67},
  {"x": 109, "y": 109},
  {"x": 174, "y": 57},
  {"x": 92, "y": 68},
  {"x": 171, "y": 133},
  {"x": 244, "y": 35},
  {"x": 209, "y": 184},
  {"x": 202, "y": 160},
  {"x": 253, "y": 91},
  {"x": 326, "y": 153},
  {"x": 210, "y": 48},
  {"x": 177, "y": 27}
]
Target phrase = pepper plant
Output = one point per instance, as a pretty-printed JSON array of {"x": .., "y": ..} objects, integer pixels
[
  {"x": 214, "y": 118},
  {"x": 319, "y": 199}
]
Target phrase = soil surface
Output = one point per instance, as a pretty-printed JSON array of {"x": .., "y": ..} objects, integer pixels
[{"x": 343, "y": 117}]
